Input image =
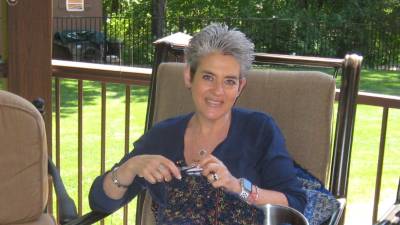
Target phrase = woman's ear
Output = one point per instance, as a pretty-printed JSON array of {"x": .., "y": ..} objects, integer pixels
[
  {"x": 242, "y": 85},
  {"x": 186, "y": 77}
]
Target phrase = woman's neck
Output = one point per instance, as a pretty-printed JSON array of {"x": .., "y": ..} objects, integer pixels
[
  {"x": 203, "y": 126},
  {"x": 203, "y": 136}
]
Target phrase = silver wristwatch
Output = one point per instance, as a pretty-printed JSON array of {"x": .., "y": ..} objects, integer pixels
[{"x": 246, "y": 186}]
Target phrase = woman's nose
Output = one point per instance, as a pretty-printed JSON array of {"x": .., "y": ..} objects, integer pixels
[{"x": 218, "y": 88}]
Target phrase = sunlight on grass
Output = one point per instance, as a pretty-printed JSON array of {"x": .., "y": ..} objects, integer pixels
[
  {"x": 115, "y": 134},
  {"x": 364, "y": 164},
  {"x": 380, "y": 82}
]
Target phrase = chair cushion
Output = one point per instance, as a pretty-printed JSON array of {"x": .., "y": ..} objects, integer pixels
[
  {"x": 23, "y": 150},
  {"x": 301, "y": 102},
  {"x": 44, "y": 219},
  {"x": 321, "y": 204}
]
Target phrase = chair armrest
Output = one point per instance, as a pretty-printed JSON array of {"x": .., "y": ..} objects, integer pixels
[
  {"x": 337, "y": 215},
  {"x": 68, "y": 214},
  {"x": 392, "y": 216},
  {"x": 67, "y": 209},
  {"x": 90, "y": 218}
]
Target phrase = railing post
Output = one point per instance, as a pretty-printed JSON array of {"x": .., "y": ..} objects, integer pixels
[
  {"x": 181, "y": 24},
  {"x": 378, "y": 178},
  {"x": 345, "y": 125},
  {"x": 105, "y": 46}
]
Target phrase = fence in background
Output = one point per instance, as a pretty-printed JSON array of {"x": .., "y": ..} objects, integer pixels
[{"x": 128, "y": 41}]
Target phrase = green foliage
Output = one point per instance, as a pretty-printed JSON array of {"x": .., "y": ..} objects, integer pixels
[
  {"x": 129, "y": 24},
  {"x": 321, "y": 28},
  {"x": 340, "y": 11},
  {"x": 135, "y": 37}
]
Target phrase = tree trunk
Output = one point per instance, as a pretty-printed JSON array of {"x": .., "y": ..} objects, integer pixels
[{"x": 158, "y": 18}]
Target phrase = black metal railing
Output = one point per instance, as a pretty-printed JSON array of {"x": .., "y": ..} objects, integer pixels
[
  {"x": 379, "y": 44},
  {"x": 108, "y": 40},
  {"x": 128, "y": 40}
]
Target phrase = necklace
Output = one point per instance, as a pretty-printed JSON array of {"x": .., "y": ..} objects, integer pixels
[
  {"x": 202, "y": 154},
  {"x": 198, "y": 144}
]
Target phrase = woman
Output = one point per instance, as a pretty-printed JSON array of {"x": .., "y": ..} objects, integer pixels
[{"x": 239, "y": 157}]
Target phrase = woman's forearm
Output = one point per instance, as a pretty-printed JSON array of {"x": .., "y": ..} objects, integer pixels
[
  {"x": 270, "y": 197},
  {"x": 264, "y": 196},
  {"x": 124, "y": 174}
]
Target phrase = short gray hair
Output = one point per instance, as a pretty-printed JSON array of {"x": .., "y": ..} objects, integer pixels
[{"x": 218, "y": 37}]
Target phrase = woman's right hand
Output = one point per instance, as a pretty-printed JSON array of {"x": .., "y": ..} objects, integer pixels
[{"x": 154, "y": 168}]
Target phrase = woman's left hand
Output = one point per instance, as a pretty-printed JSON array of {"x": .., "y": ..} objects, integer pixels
[{"x": 218, "y": 175}]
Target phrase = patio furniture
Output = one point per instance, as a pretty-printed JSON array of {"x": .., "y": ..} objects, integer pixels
[
  {"x": 23, "y": 174},
  {"x": 82, "y": 45},
  {"x": 392, "y": 215},
  {"x": 300, "y": 102},
  {"x": 26, "y": 167},
  {"x": 258, "y": 95}
]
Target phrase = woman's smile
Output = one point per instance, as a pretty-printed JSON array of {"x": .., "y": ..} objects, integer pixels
[
  {"x": 215, "y": 85},
  {"x": 214, "y": 103}
]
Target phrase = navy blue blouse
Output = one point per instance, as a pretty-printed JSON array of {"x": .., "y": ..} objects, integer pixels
[{"x": 254, "y": 149}]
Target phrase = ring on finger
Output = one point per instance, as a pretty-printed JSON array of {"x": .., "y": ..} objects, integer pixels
[
  {"x": 161, "y": 167},
  {"x": 159, "y": 179}
]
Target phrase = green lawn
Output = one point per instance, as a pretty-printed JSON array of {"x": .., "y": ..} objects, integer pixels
[
  {"x": 380, "y": 82},
  {"x": 91, "y": 133},
  {"x": 364, "y": 164},
  {"x": 364, "y": 155},
  {"x": 365, "y": 150}
]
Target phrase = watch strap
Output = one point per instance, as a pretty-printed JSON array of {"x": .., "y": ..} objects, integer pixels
[{"x": 246, "y": 188}]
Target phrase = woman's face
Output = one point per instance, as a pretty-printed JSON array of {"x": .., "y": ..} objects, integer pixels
[{"x": 215, "y": 85}]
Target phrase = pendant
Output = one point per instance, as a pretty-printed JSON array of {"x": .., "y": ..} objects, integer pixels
[{"x": 203, "y": 153}]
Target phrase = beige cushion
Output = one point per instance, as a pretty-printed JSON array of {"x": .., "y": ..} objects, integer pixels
[
  {"x": 300, "y": 101},
  {"x": 44, "y": 219},
  {"x": 23, "y": 150}
]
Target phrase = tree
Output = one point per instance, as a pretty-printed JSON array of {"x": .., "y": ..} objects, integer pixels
[{"x": 311, "y": 27}]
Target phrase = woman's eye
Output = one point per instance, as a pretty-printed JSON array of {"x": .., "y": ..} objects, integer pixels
[
  {"x": 230, "y": 82},
  {"x": 207, "y": 77}
]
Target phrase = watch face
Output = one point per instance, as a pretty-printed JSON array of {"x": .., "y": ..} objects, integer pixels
[{"x": 247, "y": 185}]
